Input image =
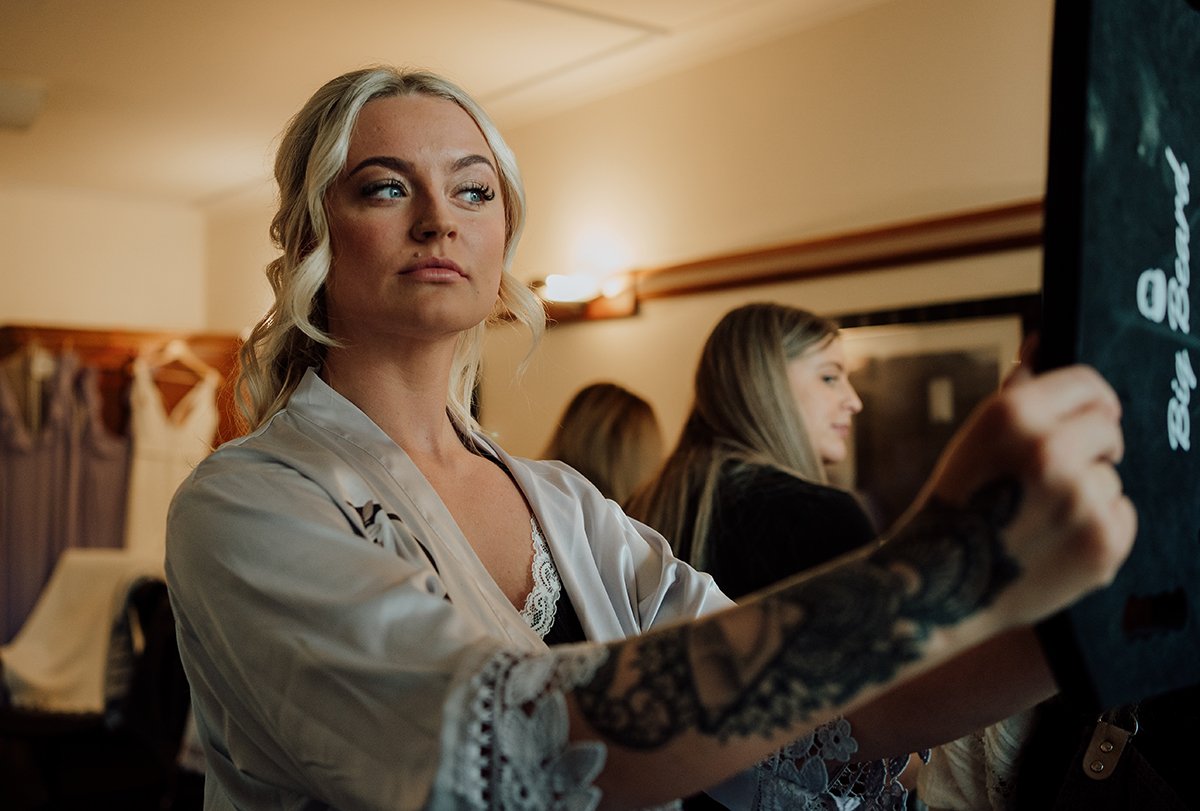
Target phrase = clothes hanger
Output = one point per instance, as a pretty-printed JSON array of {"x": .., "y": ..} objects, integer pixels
[
  {"x": 41, "y": 361},
  {"x": 178, "y": 351},
  {"x": 29, "y": 369}
]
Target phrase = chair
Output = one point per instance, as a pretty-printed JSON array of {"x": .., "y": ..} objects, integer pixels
[{"x": 123, "y": 758}]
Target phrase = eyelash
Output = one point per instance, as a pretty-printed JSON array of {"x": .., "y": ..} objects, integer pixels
[
  {"x": 373, "y": 189},
  {"x": 482, "y": 189}
]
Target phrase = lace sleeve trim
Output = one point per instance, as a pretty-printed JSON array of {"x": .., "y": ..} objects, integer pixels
[
  {"x": 515, "y": 752},
  {"x": 542, "y": 602},
  {"x": 815, "y": 770}
]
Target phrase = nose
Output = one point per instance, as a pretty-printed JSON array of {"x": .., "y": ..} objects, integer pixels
[
  {"x": 851, "y": 401},
  {"x": 432, "y": 221}
]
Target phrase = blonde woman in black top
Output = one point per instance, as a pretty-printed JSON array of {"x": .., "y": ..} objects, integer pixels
[{"x": 744, "y": 495}]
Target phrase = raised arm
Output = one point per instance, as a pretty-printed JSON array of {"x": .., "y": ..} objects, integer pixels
[{"x": 1024, "y": 515}]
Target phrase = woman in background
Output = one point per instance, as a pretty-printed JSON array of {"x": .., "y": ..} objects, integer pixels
[
  {"x": 611, "y": 436},
  {"x": 744, "y": 495}
]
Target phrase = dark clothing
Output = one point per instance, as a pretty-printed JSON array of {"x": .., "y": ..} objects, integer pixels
[{"x": 768, "y": 525}]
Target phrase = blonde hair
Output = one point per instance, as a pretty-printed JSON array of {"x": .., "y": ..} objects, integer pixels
[
  {"x": 611, "y": 436},
  {"x": 293, "y": 335},
  {"x": 743, "y": 412}
]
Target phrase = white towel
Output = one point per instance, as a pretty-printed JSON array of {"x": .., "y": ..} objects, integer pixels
[{"x": 59, "y": 659}]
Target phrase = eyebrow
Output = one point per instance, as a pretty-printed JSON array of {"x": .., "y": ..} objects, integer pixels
[{"x": 404, "y": 167}]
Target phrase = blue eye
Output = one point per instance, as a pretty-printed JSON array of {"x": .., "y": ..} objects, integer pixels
[
  {"x": 390, "y": 189},
  {"x": 477, "y": 193}
]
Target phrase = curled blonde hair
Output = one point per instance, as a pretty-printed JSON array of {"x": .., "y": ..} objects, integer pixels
[
  {"x": 743, "y": 411},
  {"x": 293, "y": 335}
]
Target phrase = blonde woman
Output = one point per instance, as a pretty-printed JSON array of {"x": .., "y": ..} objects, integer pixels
[
  {"x": 367, "y": 588},
  {"x": 744, "y": 494},
  {"x": 611, "y": 436}
]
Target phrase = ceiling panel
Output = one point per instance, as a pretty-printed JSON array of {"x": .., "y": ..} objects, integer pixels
[{"x": 181, "y": 100}]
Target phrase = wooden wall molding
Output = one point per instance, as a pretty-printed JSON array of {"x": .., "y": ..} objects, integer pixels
[
  {"x": 111, "y": 353},
  {"x": 988, "y": 230}
]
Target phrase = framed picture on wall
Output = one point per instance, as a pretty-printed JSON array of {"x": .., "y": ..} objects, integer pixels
[{"x": 919, "y": 373}]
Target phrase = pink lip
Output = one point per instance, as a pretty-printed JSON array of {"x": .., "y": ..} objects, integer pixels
[{"x": 433, "y": 269}]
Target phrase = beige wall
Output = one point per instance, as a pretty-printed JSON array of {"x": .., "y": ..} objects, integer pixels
[
  {"x": 71, "y": 258},
  {"x": 239, "y": 248},
  {"x": 905, "y": 110},
  {"x": 655, "y": 352}
]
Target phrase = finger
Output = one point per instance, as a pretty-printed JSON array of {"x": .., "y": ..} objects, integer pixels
[
  {"x": 1050, "y": 397},
  {"x": 1095, "y": 493},
  {"x": 1077, "y": 441},
  {"x": 1121, "y": 524},
  {"x": 1106, "y": 521}
]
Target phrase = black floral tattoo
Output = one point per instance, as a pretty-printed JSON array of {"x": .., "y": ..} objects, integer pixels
[{"x": 814, "y": 643}]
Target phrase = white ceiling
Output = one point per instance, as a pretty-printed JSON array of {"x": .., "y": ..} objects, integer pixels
[{"x": 181, "y": 100}]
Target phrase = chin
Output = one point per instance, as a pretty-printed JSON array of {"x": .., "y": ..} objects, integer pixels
[{"x": 834, "y": 458}]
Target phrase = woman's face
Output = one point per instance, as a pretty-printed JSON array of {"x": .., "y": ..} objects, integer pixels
[
  {"x": 826, "y": 400},
  {"x": 417, "y": 224}
]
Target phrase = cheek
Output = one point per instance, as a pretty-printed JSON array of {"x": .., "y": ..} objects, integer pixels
[
  {"x": 353, "y": 244},
  {"x": 812, "y": 408},
  {"x": 497, "y": 240},
  {"x": 335, "y": 291},
  {"x": 353, "y": 253},
  {"x": 493, "y": 253},
  {"x": 834, "y": 402}
]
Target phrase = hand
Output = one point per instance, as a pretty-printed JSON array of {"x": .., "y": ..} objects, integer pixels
[{"x": 1058, "y": 436}]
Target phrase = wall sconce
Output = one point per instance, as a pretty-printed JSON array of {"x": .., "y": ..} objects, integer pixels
[
  {"x": 565, "y": 289},
  {"x": 583, "y": 298}
]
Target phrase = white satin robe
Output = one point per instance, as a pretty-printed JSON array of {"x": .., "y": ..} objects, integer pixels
[{"x": 346, "y": 647}]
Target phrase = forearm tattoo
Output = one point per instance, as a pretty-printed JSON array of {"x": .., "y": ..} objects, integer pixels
[{"x": 814, "y": 643}]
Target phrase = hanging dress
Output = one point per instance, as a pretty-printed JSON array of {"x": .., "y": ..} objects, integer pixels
[
  {"x": 166, "y": 446},
  {"x": 101, "y": 471},
  {"x": 35, "y": 481}
]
